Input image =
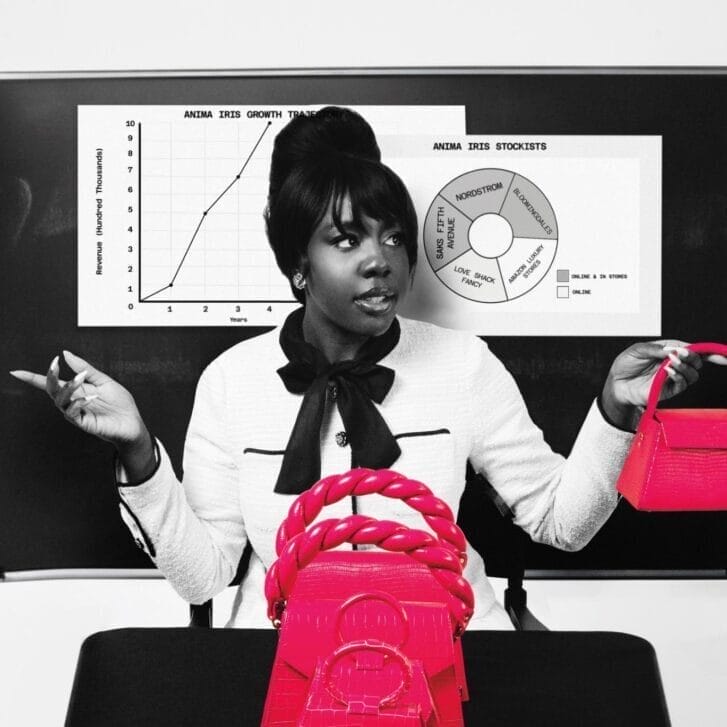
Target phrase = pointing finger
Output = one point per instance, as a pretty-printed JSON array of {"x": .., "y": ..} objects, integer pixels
[{"x": 37, "y": 381}]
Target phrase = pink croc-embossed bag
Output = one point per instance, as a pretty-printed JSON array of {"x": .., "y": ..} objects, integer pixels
[
  {"x": 678, "y": 458},
  {"x": 367, "y": 637}
]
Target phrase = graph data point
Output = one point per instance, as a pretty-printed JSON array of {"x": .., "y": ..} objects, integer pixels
[
  {"x": 204, "y": 213},
  {"x": 237, "y": 177},
  {"x": 171, "y": 285}
]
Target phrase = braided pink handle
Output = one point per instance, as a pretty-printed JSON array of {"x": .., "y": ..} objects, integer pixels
[
  {"x": 363, "y": 481},
  {"x": 302, "y": 548},
  {"x": 661, "y": 375}
]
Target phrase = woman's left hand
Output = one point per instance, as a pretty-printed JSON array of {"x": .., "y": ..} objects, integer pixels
[{"x": 629, "y": 380}]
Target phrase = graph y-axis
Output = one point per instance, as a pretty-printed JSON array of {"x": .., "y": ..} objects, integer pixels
[{"x": 138, "y": 209}]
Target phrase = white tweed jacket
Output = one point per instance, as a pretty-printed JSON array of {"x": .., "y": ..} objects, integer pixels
[{"x": 452, "y": 401}]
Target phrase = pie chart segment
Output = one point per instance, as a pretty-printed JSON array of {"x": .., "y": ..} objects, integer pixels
[
  {"x": 445, "y": 233},
  {"x": 478, "y": 191},
  {"x": 528, "y": 211},
  {"x": 475, "y": 277},
  {"x": 525, "y": 264}
]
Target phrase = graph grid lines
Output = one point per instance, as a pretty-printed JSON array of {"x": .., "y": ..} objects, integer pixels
[{"x": 217, "y": 255}]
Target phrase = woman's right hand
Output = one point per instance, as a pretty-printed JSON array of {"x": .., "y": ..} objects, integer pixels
[{"x": 94, "y": 402}]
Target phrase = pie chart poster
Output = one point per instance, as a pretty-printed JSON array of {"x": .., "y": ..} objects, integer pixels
[{"x": 552, "y": 235}]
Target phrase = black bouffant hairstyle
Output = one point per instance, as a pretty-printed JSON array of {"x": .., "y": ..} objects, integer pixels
[{"x": 319, "y": 161}]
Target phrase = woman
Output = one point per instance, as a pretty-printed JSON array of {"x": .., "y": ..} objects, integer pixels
[{"x": 347, "y": 383}]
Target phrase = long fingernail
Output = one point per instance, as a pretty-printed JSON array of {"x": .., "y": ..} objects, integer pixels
[
  {"x": 90, "y": 397},
  {"x": 683, "y": 353},
  {"x": 674, "y": 358},
  {"x": 80, "y": 377},
  {"x": 54, "y": 363},
  {"x": 669, "y": 370}
]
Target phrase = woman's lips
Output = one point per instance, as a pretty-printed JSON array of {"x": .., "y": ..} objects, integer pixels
[{"x": 376, "y": 301}]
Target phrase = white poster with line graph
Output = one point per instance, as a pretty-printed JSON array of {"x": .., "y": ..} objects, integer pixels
[
  {"x": 170, "y": 205},
  {"x": 538, "y": 236}
]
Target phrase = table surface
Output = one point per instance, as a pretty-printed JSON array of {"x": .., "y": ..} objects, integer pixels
[{"x": 219, "y": 677}]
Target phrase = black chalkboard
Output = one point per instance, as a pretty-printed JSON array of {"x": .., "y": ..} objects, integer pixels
[{"x": 58, "y": 508}]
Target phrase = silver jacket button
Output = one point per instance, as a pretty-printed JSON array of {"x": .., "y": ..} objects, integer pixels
[{"x": 341, "y": 439}]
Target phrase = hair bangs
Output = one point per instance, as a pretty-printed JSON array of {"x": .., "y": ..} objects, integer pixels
[{"x": 375, "y": 191}]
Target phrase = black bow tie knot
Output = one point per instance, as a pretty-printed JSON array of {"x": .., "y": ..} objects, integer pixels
[{"x": 358, "y": 383}]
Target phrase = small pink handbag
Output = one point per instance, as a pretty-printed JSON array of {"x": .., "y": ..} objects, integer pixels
[
  {"x": 678, "y": 459},
  {"x": 367, "y": 637}
]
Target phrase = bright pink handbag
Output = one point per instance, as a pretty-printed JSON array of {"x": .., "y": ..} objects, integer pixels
[
  {"x": 367, "y": 637},
  {"x": 678, "y": 459}
]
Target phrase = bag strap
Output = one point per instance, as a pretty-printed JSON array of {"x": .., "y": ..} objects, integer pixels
[
  {"x": 661, "y": 375},
  {"x": 364, "y": 481},
  {"x": 420, "y": 545}
]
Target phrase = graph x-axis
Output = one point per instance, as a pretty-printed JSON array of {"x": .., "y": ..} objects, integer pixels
[{"x": 207, "y": 301}]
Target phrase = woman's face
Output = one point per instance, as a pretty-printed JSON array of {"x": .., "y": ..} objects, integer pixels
[{"x": 355, "y": 279}]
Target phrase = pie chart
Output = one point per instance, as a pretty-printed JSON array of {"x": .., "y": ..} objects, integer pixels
[{"x": 490, "y": 235}]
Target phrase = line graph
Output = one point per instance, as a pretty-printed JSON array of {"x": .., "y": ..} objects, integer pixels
[
  {"x": 203, "y": 194},
  {"x": 202, "y": 219}
]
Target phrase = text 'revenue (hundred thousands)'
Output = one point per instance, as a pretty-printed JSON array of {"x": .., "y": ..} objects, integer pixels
[{"x": 99, "y": 211}]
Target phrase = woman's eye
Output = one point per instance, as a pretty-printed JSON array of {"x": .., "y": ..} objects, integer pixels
[
  {"x": 345, "y": 243},
  {"x": 395, "y": 239}
]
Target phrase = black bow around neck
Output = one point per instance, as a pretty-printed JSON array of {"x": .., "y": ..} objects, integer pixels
[{"x": 358, "y": 382}]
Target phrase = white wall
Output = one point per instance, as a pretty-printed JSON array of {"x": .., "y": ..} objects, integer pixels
[
  {"x": 42, "y": 624},
  {"x": 138, "y": 34}
]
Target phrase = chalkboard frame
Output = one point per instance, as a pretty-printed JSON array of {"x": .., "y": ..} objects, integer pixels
[{"x": 44, "y": 522}]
